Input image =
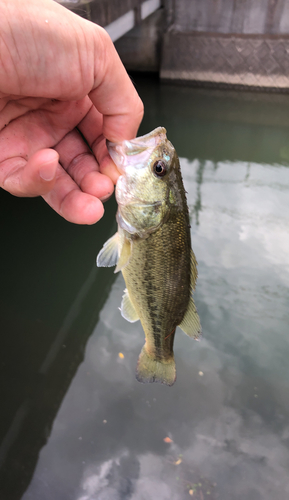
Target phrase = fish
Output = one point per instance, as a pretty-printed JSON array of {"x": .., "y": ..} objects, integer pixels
[{"x": 152, "y": 249}]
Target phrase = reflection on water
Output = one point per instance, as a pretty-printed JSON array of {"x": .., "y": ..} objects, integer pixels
[
  {"x": 197, "y": 206},
  {"x": 226, "y": 417}
]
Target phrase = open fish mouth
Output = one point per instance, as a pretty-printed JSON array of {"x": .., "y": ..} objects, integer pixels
[{"x": 136, "y": 152}]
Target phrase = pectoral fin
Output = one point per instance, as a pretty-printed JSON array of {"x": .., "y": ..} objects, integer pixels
[
  {"x": 191, "y": 323},
  {"x": 125, "y": 253},
  {"x": 115, "y": 251},
  {"x": 108, "y": 255},
  {"x": 127, "y": 309}
]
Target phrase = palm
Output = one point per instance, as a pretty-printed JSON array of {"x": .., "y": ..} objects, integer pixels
[{"x": 52, "y": 124}]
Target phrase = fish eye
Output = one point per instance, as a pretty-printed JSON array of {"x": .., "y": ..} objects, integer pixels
[{"x": 160, "y": 168}]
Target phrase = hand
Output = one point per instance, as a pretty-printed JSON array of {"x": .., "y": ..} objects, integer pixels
[{"x": 63, "y": 91}]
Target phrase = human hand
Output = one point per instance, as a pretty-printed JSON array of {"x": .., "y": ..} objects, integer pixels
[{"x": 63, "y": 92}]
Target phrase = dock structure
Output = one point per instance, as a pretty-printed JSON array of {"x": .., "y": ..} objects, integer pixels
[
  {"x": 115, "y": 16},
  {"x": 135, "y": 26},
  {"x": 229, "y": 42},
  {"x": 220, "y": 43}
]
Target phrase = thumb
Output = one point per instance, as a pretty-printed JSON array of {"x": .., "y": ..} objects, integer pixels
[
  {"x": 114, "y": 94},
  {"x": 33, "y": 177}
]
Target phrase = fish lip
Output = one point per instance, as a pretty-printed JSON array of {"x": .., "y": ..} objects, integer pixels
[
  {"x": 114, "y": 151},
  {"x": 120, "y": 151}
]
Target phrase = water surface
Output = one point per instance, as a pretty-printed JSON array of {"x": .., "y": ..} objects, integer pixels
[{"x": 84, "y": 428}]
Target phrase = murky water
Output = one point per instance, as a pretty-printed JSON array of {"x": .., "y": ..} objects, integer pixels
[{"x": 76, "y": 425}]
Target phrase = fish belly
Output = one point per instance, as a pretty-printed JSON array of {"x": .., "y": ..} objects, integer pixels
[{"x": 158, "y": 282}]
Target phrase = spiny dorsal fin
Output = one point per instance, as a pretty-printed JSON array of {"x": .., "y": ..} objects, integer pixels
[
  {"x": 125, "y": 254},
  {"x": 191, "y": 323},
  {"x": 108, "y": 255},
  {"x": 194, "y": 272},
  {"x": 127, "y": 309}
]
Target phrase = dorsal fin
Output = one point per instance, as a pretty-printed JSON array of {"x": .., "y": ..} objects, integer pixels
[
  {"x": 191, "y": 322},
  {"x": 194, "y": 272}
]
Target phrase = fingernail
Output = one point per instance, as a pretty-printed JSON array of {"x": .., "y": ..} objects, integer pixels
[
  {"x": 105, "y": 197},
  {"x": 47, "y": 172}
]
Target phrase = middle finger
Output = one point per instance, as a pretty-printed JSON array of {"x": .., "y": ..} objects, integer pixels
[{"x": 79, "y": 162}]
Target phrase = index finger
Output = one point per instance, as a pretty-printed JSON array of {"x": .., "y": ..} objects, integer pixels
[{"x": 113, "y": 93}]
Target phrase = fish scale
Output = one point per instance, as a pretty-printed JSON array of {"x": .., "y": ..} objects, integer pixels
[{"x": 158, "y": 282}]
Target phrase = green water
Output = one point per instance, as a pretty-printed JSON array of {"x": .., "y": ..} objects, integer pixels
[{"x": 75, "y": 424}]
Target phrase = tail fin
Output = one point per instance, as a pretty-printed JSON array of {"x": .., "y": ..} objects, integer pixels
[{"x": 153, "y": 370}]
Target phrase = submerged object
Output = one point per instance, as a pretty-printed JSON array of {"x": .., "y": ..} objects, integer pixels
[{"x": 152, "y": 249}]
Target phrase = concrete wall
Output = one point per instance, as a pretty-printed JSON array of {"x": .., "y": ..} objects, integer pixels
[
  {"x": 102, "y": 12},
  {"x": 228, "y": 42},
  {"x": 143, "y": 20},
  {"x": 232, "y": 16},
  {"x": 108, "y": 12},
  {"x": 140, "y": 48},
  {"x": 242, "y": 43}
]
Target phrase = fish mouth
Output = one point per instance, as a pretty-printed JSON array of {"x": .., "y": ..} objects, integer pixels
[{"x": 137, "y": 151}]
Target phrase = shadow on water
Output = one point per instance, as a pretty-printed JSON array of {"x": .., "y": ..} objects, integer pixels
[
  {"x": 74, "y": 423},
  {"x": 51, "y": 294}
]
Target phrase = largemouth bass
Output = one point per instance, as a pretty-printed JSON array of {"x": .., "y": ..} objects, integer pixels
[{"x": 152, "y": 249}]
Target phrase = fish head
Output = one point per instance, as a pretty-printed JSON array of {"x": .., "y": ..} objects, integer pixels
[{"x": 147, "y": 166}]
